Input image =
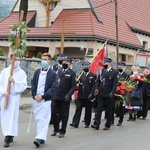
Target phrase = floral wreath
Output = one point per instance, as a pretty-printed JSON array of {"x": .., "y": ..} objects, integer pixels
[{"x": 15, "y": 30}]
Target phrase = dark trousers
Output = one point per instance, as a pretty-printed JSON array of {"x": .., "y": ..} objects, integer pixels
[
  {"x": 121, "y": 113},
  {"x": 88, "y": 111},
  {"x": 144, "y": 111},
  {"x": 61, "y": 108},
  {"x": 104, "y": 102}
]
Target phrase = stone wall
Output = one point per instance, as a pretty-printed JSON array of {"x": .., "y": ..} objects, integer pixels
[
  {"x": 3, "y": 62},
  {"x": 28, "y": 65}
]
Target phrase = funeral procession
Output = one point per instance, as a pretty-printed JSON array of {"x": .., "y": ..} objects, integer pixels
[{"x": 75, "y": 74}]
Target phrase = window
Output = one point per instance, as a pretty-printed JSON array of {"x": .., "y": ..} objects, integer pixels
[
  {"x": 90, "y": 51},
  {"x": 53, "y": 5},
  {"x": 123, "y": 57},
  {"x": 145, "y": 45}
]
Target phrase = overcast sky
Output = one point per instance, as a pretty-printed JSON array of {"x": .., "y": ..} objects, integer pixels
[{"x": 6, "y": 7}]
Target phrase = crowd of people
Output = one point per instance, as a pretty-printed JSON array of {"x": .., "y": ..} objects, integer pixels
[{"x": 52, "y": 89}]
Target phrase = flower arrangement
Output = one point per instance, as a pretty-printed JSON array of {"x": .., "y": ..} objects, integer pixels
[
  {"x": 123, "y": 89},
  {"x": 18, "y": 46},
  {"x": 139, "y": 77}
]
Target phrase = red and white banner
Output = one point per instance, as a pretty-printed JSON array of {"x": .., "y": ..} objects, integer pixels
[{"x": 97, "y": 62}]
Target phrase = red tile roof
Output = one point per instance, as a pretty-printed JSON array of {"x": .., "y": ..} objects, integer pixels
[
  {"x": 82, "y": 22},
  {"x": 11, "y": 20}
]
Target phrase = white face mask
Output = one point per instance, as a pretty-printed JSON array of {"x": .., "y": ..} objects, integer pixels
[
  {"x": 17, "y": 64},
  {"x": 135, "y": 73}
]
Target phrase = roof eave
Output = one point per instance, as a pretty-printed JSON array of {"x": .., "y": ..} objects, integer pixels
[
  {"x": 140, "y": 31},
  {"x": 82, "y": 38}
]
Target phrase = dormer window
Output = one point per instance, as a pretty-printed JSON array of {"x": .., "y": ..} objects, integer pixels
[
  {"x": 53, "y": 5},
  {"x": 145, "y": 45}
]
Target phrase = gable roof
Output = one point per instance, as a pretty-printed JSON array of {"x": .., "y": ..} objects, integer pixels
[{"x": 13, "y": 19}]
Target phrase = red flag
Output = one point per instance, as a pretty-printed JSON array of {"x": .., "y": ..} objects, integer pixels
[{"x": 97, "y": 63}]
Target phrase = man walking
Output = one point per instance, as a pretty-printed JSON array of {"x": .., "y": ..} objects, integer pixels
[
  {"x": 9, "y": 116},
  {"x": 66, "y": 85},
  {"x": 85, "y": 95},
  {"x": 42, "y": 87},
  {"x": 105, "y": 89}
]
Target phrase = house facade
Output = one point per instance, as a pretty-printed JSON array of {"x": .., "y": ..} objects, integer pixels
[{"x": 88, "y": 24}]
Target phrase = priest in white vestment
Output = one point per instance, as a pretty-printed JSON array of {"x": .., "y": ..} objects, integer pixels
[
  {"x": 9, "y": 116},
  {"x": 42, "y": 87}
]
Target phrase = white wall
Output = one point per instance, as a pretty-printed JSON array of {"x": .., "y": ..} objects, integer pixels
[
  {"x": 143, "y": 38},
  {"x": 68, "y": 4},
  {"x": 63, "y": 4}
]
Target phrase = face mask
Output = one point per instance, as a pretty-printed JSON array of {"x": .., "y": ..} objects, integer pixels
[
  {"x": 17, "y": 64},
  {"x": 65, "y": 66},
  {"x": 86, "y": 69},
  {"x": 105, "y": 66},
  {"x": 44, "y": 63},
  {"x": 135, "y": 72},
  {"x": 120, "y": 70},
  {"x": 60, "y": 62}
]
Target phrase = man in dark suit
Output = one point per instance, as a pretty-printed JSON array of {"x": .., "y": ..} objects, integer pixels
[
  {"x": 123, "y": 76},
  {"x": 42, "y": 87},
  {"x": 66, "y": 84},
  {"x": 105, "y": 89},
  {"x": 85, "y": 95},
  {"x": 57, "y": 66}
]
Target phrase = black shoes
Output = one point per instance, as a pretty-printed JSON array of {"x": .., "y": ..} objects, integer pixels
[
  {"x": 130, "y": 117},
  {"x": 61, "y": 135},
  {"x": 95, "y": 127},
  {"x": 74, "y": 125},
  {"x": 54, "y": 133},
  {"x": 119, "y": 124},
  {"x": 8, "y": 139},
  {"x": 86, "y": 126},
  {"x": 106, "y": 128},
  {"x": 38, "y": 142},
  {"x": 6, "y": 144}
]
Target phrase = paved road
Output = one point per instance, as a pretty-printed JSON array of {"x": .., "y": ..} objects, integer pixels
[{"x": 130, "y": 136}]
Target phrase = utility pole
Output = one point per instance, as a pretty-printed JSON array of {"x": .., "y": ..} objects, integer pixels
[{"x": 117, "y": 39}]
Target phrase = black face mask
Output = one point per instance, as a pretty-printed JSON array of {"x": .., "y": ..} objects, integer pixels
[
  {"x": 120, "y": 70},
  {"x": 105, "y": 66},
  {"x": 65, "y": 66},
  {"x": 86, "y": 69},
  {"x": 60, "y": 62}
]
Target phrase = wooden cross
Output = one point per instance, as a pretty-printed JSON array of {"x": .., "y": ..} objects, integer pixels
[
  {"x": 63, "y": 34},
  {"x": 17, "y": 44},
  {"x": 47, "y": 8}
]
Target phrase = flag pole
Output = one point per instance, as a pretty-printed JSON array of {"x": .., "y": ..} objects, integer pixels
[{"x": 93, "y": 58}]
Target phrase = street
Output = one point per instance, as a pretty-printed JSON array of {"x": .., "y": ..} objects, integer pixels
[{"x": 130, "y": 136}]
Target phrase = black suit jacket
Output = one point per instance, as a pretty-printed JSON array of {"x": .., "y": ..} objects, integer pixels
[
  {"x": 66, "y": 84},
  {"x": 107, "y": 82},
  {"x": 86, "y": 85},
  {"x": 50, "y": 84}
]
